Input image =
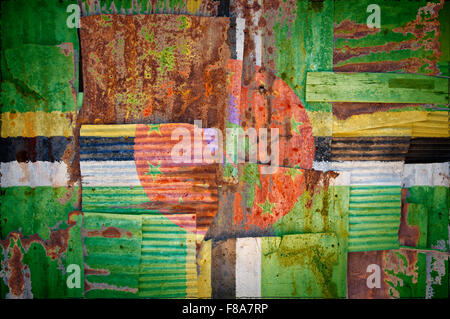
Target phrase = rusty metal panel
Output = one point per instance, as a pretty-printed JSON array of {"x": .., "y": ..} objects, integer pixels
[
  {"x": 148, "y": 69},
  {"x": 404, "y": 273}
]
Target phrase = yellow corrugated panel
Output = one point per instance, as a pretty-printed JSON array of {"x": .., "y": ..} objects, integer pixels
[
  {"x": 379, "y": 124},
  {"x": 321, "y": 122},
  {"x": 436, "y": 125},
  {"x": 32, "y": 124},
  {"x": 204, "y": 277},
  {"x": 109, "y": 130}
]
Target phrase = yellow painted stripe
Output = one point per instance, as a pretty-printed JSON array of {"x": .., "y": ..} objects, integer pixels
[
  {"x": 32, "y": 124},
  {"x": 109, "y": 130},
  {"x": 191, "y": 272},
  {"x": 193, "y": 5},
  {"x": 204, "y": 277},
  {"x": 436, "y": 125},
  {"x": 383, "y": 123},
  {"x": 321, "y": 122}
]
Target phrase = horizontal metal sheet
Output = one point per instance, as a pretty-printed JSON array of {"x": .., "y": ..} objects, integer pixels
[
  {"x": 376, "y": 88},
  {"x": 27, "y": 149},
  {"x": 34, "y": 174},
  {"x": 369, "y": 148},
  {"x": 428, "y": 150}
]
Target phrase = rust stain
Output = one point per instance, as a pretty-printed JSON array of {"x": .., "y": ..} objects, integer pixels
[
  {"x": 108, "y": 232},
  {"x": 154, "y": 69},
  {"x": 351, "y": 30},
  {"x": 407, "y": 235},
  {"x": 345, "y": 110}
]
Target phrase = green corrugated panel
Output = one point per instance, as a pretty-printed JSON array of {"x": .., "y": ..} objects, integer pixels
[
  {"x": 43, "y": 216},
  {"x": 374, "y": 217},
  {"x": 113, "y": 253},
  {"x": 168, "y": 264},
  {"x": 115, "y": 200}
]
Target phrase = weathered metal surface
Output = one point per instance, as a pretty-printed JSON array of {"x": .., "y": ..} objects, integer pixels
[
  {"x": 168, "y": 258},
  {"x": 37, "y": 100},
  {"x": 194, "y": 7},
  {"x": 129, "y": 169},
  {"x": 403, "y": 273},
  {"x": 112, "y": 255},
  {"x": 374, "y": 203},
  {"x": 428, "y": 150},
  {"x": 369, "y": 148},
  {"x": 425, "y": 206},
  {"x": 41, "y": 236},
  {"x": 154, "y": 69},
  {"x": 21, "y": 25},
  {"x": 375, "y": 88}
]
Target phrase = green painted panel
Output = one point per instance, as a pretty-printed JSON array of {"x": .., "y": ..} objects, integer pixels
[
  {"x": 37, "y": 84},
  {"x": 304, "y": 266},
  {"x": 113, "y": 252},
  {"x": 428, "y": 208},
  {"x": 376, "y": 87},
  {"x": 407, "y": 40},
  {"x": 50, "y": 240},
  {"x": 304, "y": 42},
  {"x": 35, "y": 22}
]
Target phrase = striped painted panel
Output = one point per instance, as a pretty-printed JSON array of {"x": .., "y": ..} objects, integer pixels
[
  {"x": 428, "y": 150},
  {"x": 129, "y": 169},
  {"x": 369, "y": 149},
  {"x": 113, "y": 255},
  {"x": 374, "y": 217},
  {"x": 168, "y": 266}
]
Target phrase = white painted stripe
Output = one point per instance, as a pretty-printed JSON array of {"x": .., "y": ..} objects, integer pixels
[
  {"x": 109, "y": 173},
  {"x": 433, "y": 174},
  {"x": 240, "y": 26},
  {"x": 34, "y": 174},
  {"x": 248, "y": 267},
  {"x": 258, "y": 35}
]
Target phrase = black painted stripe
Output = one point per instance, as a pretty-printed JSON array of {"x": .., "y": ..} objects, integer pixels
[
  {"x": 32, "y": 149},
  {"x": 428, "y": 150},
  {"x": 106, "y": 148}
]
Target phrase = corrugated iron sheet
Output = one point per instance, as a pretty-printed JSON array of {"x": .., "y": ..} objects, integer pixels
[
  {"x": 428, "y": 150},
  {"x": 112, "y": 255},
  {"x": 369, "y": 148},
  {"x": 136, "y": 174}
]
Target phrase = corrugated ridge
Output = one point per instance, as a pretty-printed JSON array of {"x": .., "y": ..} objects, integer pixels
[
  {"x": 168, "y": 264},
  {"x": 374, "y": 217},
  {"x": 369, "y": 148}
]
